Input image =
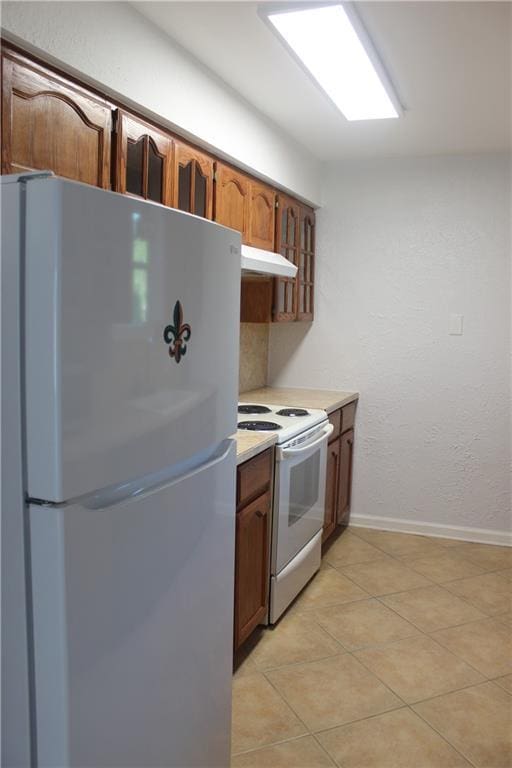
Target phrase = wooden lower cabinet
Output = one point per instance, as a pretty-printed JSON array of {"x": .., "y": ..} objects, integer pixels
[
  {"x": 252, "y": 545},
  {"x": 339, "y": 470},
  {"x": 332, "y": 488},
  {"x": 345, "y": 478}
]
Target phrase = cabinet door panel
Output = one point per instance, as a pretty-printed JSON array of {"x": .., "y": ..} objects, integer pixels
[
  {"x": 232, "y": 199},
  {"x": 135, "y": 167},
  {"x": 144, "y": 160},
  {"x": 261, "y": 216},
  {"x": 155, "y": 173},
  {"x": 287, "y": 234},
  {"x": 346, "y": 455},
  {"x": 193, "y": 181},
  {"x": 332, "y": 488},
  {"x": 251, "y": 566},
  {"x": 48, "y": 124},
  {"x": 305, "y": 274}
]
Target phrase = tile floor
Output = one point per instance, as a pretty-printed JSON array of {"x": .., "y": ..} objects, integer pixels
[{"x": 398, "y": 654}]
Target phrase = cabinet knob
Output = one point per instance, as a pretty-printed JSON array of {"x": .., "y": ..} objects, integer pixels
[{"x": 260, "y": 513}]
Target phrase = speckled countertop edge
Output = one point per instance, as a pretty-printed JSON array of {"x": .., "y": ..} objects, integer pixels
[{"x": 249, "y": 444}]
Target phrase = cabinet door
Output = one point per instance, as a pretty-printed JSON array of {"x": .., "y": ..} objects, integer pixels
[
  {"x": 306, "y": 264},
  {"x": 262, "y": 209},
  {"x": 347, "y": 447},
  {"x": 50, "y": 124},
  {"x": 287, "y": 240},
  {"x": 251, "y": 566},
  {"x": 331, "y": 488},
  {"x": 144, "y": 160},
  {"x": 232, "y": 199},
  {"x": 193, "y": 181}
]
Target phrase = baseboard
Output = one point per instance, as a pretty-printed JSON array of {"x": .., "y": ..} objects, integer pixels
[{"x": 461, "y": 533}]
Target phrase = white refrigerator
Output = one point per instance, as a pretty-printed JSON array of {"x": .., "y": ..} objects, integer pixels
[{"x": 120, "y": 322}]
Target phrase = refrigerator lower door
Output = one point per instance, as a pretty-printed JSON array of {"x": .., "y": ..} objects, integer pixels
[
  {"x": 131, "y": 337},
  {"x": 133, "y": 624}
]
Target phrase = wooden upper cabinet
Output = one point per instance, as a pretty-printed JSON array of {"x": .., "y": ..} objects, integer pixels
[
  {"x": 245, "y": 204},
  {"x": 232, "y": 199},
  {"x": 306, "y": 264},
  {"x": 262, "y": 210},
  {"x": 143, "y": 160},
  {"x": 287, "y": 242},
  {"x": 193, "y": 180},
  {"x": 50, "y": 124}
]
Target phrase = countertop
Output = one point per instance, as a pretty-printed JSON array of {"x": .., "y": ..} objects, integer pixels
[
  {"x": 249, "y": 444},
  {"x": 325, "y": 399}
]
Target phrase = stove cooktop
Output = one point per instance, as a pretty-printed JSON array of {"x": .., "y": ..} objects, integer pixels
[
  {"x": 249, "y": 408},
  {"x": 259, "y": 426},
  {"x": 287, "y": 423}
]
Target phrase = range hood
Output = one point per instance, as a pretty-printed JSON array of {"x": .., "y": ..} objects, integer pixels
[{"x": 266, "y": 262}]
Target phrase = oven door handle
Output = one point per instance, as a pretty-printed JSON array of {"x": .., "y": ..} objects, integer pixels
[{"x": 287, "y": 453}]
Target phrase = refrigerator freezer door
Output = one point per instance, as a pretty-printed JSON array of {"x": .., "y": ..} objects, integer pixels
[
  {"x": 133, "y": 626},
  {"x": 131, "y": 337}
]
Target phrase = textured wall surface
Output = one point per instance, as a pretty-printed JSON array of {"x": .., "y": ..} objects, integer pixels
[
  {"x": 254, "y": 340},
  {"x": 403, "y": 244},
  {"x": 112, "y": 45}
]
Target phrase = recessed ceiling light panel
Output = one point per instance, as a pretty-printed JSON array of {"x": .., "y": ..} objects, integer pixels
[{"x": 325, "y": 40}]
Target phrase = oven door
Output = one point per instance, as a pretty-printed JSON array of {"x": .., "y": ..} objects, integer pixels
[{"x": 299, "y": 494}]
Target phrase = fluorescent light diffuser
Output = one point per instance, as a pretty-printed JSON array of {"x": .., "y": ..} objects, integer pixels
[{"x": 327, "y": 44}]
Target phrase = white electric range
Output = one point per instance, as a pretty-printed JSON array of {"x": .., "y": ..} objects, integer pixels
[{"x": 299, "y": 494}]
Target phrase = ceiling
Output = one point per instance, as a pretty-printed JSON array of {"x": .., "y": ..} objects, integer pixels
[{"x": 450, "y": 63}]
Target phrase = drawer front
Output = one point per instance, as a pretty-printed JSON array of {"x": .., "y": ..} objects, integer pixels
[
  {"x": 348, "y": 415},
  {"x": 253, "y": 477},
  {"x": 335, "y": 420}
]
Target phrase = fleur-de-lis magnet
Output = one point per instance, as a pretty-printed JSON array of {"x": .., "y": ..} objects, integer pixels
[{"x": 177, "y": 335}]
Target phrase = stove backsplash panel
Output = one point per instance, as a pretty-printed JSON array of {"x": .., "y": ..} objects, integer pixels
[{"x": 254, "y": 339}]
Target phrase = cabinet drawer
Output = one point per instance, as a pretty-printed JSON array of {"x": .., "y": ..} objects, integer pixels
[
  {"x": 348, "y": 415},
  {"x": 335, "y": 420},
  {"x": 253, "y": 477}
]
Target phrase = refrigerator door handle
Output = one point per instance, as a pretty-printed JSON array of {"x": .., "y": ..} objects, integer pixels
[{"x": 108, "y": 497}]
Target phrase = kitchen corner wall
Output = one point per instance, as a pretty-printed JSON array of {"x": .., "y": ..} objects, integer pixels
[
  {"x": 403, "y": 244},
  {"x": 254, "y": 339}
]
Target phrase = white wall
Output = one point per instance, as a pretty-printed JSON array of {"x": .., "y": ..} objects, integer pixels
[
  {"x": 402, "y": 244},
  {"x": 116, "y": 48}
]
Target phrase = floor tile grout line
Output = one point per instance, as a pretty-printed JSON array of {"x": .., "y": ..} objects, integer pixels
[
  {"x": 379, "y": 679},
  {"x": 291, "y": 664},
  {"x": 428, "y": 537},
  {"x": 326, "y": 752},
  {"x": 363, "y": 718},
  {"x": 376, "y": 645},
  {"x": 409, "y": 708},
  {"x": 428, "y": 698},
  {"x": 289, "y": 705},
  {"x": 444, "y": 737},
  {"x": 425, "y": 631},
  {"x": 398, "y": 557},
  {"x": 271, "y": 744}
]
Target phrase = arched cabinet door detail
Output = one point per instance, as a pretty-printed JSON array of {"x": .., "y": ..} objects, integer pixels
[
  {"x": 144, "y": 157},
  {"x": 262, "y": 210},
  {"x": 193, "y": 181},
  {"x": 232, "y": 199},
  {"x": 51, "y": 124}
]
